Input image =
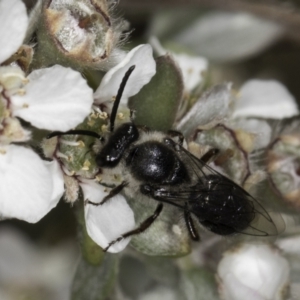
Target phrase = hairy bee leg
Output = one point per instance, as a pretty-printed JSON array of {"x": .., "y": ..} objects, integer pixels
[
  {"x": 75, "y": 132},
  {"x": 116, "y": 190},
  {"x": 210, "y": 155},
  {"x": 191, "y": 226},
  {"x": 143, "y": 226},
  {"x": 176, "y": 134}
]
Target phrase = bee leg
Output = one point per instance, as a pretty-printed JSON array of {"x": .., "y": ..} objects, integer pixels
[
  {"x": 143, "y": 226},
  {"x": 176, "y": 134},
  {"x": 75, "y": 132},
  {"x": 116, "y": 190},
  {"x": 210, "y": 155},
  {"x": 190, "y": 225}
]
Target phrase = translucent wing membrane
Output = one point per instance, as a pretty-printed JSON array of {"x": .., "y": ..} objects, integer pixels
[{"x": 218, "y": 203}]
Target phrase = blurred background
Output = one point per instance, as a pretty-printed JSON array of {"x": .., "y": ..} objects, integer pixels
[{"x": 241, "y": 39}]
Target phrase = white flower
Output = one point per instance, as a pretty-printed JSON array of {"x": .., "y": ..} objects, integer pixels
[
  {"x": 262, "y": 99},
  {"x": 26, "y": 184},
  {"x": 14, "y": 21},
  {"x": 215, "y": 121},
  {"x": 141, "y": 57},
  {"x": 110, "y": 220},
  {"x": 253, "y": 272},
  {"x": 228, "y": 36},
  {"x": 193, "y": 69},
  {"x": 256, "y": 99},
  {"x": 56, "y": 98},
  {"x": 265, "y": 99},
  {"x": 211, "y": 108}
]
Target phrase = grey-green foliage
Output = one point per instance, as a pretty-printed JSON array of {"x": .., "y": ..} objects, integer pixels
[
  {"x": 163, "y": 269},
  {"x": 145, "y": 276},
  {"x": 167, "y": 236},
  {"x": 134, "y": 278},
  {"x": 95, "y": 282},
  {"x": 157, "y": 103},
  {"x": 198, "y": 284}
]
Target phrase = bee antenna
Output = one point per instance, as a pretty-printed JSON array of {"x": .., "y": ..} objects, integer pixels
[{"x": 118, "y": 97}]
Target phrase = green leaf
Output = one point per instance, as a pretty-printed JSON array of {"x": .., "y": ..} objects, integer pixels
[
  {"x": 95, "y": 282},
  {"x": 157, "y": 103}
]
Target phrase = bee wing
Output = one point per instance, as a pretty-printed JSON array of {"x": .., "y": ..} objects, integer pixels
[{"x": 263, "y": 223}]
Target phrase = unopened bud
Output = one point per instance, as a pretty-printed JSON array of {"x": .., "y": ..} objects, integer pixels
[
  {"x": 256, "y": 272},
  {"x": 233, "y": 156},
  {"x": 78, "y": 33},
  {"x": 284, "y": 167}
]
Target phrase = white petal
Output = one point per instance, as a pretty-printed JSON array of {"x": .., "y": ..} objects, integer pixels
[
  {"x": 56, "y": 98},
  {"x": 233, "y": 289},
  {"x": 265, "y": 99},
  {"x": 145, "y": 68},
  {"x": 57, "y": 179},
  {"x": 26, "y": 185},
  {"x": 290, "y": 245},
  {"x": 193, "y": 68},
  {"x": 109, "y": 221},
  {"x": 13, "y": 26},
  {"x": 226, "y": 36},
  {"x": 212, "y": 107}
]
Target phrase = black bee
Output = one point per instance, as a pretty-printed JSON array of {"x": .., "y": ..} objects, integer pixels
[{"x": 156, "y": 165}]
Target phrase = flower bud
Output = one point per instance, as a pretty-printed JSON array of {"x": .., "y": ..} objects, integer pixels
[
  {"x": 283, "y": 159},
  {"x": 78, "y": 33},
  {"x": 253, "y": 272},
  {"x": 233, "y": 146}
]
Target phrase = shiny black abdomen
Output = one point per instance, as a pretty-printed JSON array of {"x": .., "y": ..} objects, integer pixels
[{"x": 222, "y": 206}]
